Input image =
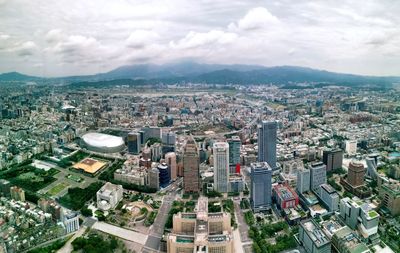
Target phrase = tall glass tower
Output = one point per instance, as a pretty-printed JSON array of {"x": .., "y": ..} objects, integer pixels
[{"x": 267, "y": 143}]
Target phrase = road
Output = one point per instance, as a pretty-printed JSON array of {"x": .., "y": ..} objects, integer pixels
[
  {"x": 242, "y": 225},
  {"x": 67, "y": 248},
  {"x": 157, "y": 229}
]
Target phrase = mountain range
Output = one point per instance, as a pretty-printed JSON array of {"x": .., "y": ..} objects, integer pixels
[{"x": 216, "y": 74}]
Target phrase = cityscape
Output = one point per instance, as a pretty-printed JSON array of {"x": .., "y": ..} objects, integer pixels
[{"x": 191, "y": 154}]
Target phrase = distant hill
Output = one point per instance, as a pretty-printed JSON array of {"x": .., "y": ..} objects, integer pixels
[
  {"x": 15, "y": 76},
  {"x": 189, "y": 71}
]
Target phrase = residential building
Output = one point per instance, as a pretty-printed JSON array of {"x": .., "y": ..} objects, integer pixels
[
  {"x": 221, "y": 166},
  {"x": 267, "y": 136},
  {"x": 313, "y": 238},
  {"x": 153, "y": 178},
  {"x": 351, "y": 147},
  {"x": 17, "y": 193},
  {"x": 260, "y": 186},
  {"x": 201, "y": 231},
  {"x": 191, "y": 170},
  {"x": 108, "y": 196}
]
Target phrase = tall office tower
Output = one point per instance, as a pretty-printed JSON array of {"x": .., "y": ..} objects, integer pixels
[
  {"x": 221, "y": 166},
  {"x": 355, "y": 174},
  {"x": 153, "y": 178},
  {"x": 151, "y": 132},
  {"x": 201, "y": 231},
  {"x": 260, "y": 186},
  {"x": 333, "y": 159},
  {"x": 317, "y": 175},
  {"x": 234, "y": 150},
  {"x": 191, "y": 172},
  {"x": 164, "y": 175},
  {"x": 168, "y": 138},
  {"x": 303, "y": 180},
  {"x": 170, "y": 159},
  {"x": 372, "y": 165},
  {"x": 134, "y": 143},
  {"x": 267, "y": 143}
]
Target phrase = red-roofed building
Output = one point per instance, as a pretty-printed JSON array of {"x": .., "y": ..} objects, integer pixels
[{"x": 285, "y": 196}]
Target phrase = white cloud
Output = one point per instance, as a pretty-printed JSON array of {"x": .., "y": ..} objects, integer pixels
[
  {"x": 27, "y": 48},
  {"x": 141, "y": 38},
  {"x": 54, "y": 35},
  {"x": 196, "y": 39},
  {"x": 255, "y": 18}
]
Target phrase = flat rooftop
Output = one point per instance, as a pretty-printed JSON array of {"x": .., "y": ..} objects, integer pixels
[
  {"x": 89, "y": 165},
  {"x": 315, "y": 233}
]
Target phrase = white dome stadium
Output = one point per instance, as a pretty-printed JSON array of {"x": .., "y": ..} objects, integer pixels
[{"x": 103, "y": 143}]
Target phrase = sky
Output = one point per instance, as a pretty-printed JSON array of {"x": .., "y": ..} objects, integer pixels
[{"x": 78, "y": 37}]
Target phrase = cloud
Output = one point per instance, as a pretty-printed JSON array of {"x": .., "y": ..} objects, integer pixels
[
  {"x": 54, "y": 35},
  {"x": 196, "y": 39},
  {"x": 255, "y": 18},
  {"x": 27, "y": 48},
  {"x": 141, "y": 38}
]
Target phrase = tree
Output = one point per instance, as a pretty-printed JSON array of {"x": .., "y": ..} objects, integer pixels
[{"x": 85, "y": 211}]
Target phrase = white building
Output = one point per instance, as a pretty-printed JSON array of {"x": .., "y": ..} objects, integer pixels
[
  {"x": 303, "y": 180},
  {"x": 71, "y": 221},
  {"x": 221, "y": 166},
  {"x": 108, "y": 196},
  {"x": 317, "y": 175},
  {"x": 351, "y": 147},
  {"x": 330, "y": 197}
]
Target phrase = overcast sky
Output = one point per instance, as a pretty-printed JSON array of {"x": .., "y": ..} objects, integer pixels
[{"x": 71, "y": 37}]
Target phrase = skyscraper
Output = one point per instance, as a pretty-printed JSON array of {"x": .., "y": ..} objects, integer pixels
[
  {"x": 221, "y": 166},
  {"x": 333, "y": 159},
  {"x": 191, "y": 173},
  {"x": 261, "y": 186},
  {"x": 134, "y": 143},
  {"x": 303, "y": 180},
  {"x": 170, "y": 159},
  {"x": 234, "y": 150},
  {"x": 267, "y": 143}
]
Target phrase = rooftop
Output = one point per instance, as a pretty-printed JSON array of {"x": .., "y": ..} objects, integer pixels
[{"x": 315, "y": 233}]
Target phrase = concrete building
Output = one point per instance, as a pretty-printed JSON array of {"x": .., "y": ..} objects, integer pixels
[
  {"x": 345, "y": 240},
  {"x": 234, "y": 150},
  {"x": 169, "y": 138},
  {"x": 313, "y": 238},
  {"x": 191, "y": 172},
  {"x": 317, "y": 175},
  {"x": 303, "y": 180},
  {"x": 170, "y": 159},
  {"x": 153, "y": 178},
  {"x": 389, "y": 193},
  {"x": 285, "y": 197},
  {"x": 267, "y": 135},
  {"x": 71, "y": 221},
  {"x": 333, "y": 159},
  {"x": 358, "y": 214},
  {"x": 5, "y": 187},
  {"x": 330, "y": 197},
  {"x": 201, "y": 231},
  {"x": 17, "y": 193},
  {"x": 221, "y": 166},
  {"x": 351, "y": 147},
  {"x": 133, "y": 141},
  {"x": 355, "y": 175},
  {"x": 260, "y": 186},
  {"x": 151, "y": 132},
  {"x": 372, "y": 165},
  {"x": 108, "y": 196}
]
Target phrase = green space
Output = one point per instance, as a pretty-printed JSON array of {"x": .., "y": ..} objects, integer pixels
[
  {"x": 76, "y": 197},
  {"x": 58, "y": 188},
  {"x": 244, "y": 204},
  {"x": 28, "y": 177},
  {"x": 94, "y": 243},
  {"x": 225, "y": 205},
  {"x": 249, "y": 218},
  {"x": 53, "y": 247},
  {"x": 178, "y": 206},
  {"x": 70, "y": 160},
  {"x": 74, "y": 178},
  {"x": 150, "y": 218},
  {"x": 279, "y": 231}
]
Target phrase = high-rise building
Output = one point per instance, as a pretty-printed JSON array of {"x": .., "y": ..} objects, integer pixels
[
  {"x": 153, "y": 178},
  {"x": 5, "y": 187},
  {"x": 234, "y": 150},
  {"x": 169, "y": 138},
  {"x": 329, "y": 196},
  {"x": 71, "y": 221},
  {"x": 201, "y": 231},
  {"x": 164, "y": 175},
  {"x": 134, "y": 143},
  {"x": 303, "y": 180},
  {"x": 333, "y": 159},
  {"x": 372, "y": 165},
  {"x": 313, "y": 238},
  {"x": 261, "y": 186},
  {"x": 346, "y": 240},
  {"x": 390, "y": 196},
  {"x": 285, "y": 196},
  {"x": 355, "y": 175},
  {"x": 351, "y": 147},
  {"x": 317, "y": 175},
  {"x": 170, "y": 159},
  {"x": 191, "y": 170},
  {"x": 267, "y": 143},
  {"x": 221, "y": 166},
  {"x": 151, "y": 132}
]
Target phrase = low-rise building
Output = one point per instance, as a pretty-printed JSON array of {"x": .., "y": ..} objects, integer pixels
[
  {"x": 313, "y": 238},
  {"x": 108, "y": 196}
]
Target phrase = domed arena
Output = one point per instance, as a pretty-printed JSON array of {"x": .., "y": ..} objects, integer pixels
[{"x": 103, "y": 143}]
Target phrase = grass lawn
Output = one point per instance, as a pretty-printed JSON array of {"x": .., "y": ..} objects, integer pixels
[{"x": 58, "y": 188}]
